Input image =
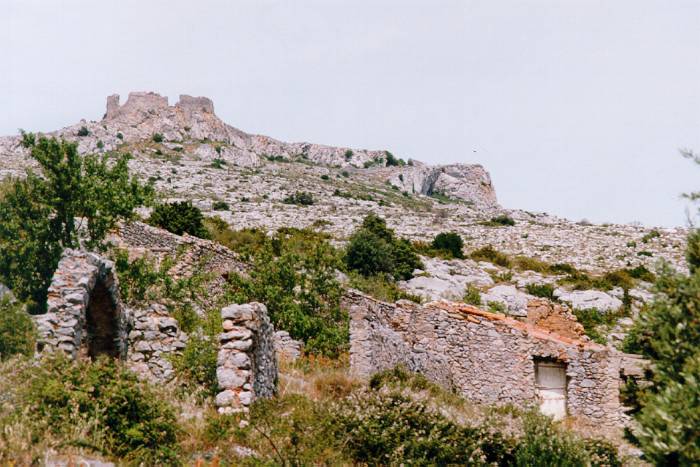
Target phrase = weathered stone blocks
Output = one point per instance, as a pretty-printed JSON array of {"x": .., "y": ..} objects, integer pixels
[{"x": 246, "y": 364}]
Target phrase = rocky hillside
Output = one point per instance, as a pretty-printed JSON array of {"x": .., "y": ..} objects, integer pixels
[{"x": 247, "y": 180}]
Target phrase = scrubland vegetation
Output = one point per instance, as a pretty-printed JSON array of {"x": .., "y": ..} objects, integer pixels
[{"x": 321, "y": 415}]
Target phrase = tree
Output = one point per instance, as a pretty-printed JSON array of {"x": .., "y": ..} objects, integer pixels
[
  {"x": 17, "y": 332},
  {"x": 668, "y": 333},
  {"x": 73, "y": 201},
  {"x": 375, "y": 249},
  {"x": 179, "y": 218},
  {"x": 450, "y": 242}
]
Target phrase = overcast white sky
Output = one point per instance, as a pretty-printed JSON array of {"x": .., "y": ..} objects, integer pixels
[{"x": 576, "y": 107}]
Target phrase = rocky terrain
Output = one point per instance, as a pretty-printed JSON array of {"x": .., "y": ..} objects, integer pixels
[{"x": 189, "y": 153}]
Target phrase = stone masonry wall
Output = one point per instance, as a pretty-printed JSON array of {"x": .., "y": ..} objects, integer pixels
[
  {"x": 246, "y": 364},
  {"x": 488, "y": 358},
  {"x": 64, "y": 326}
]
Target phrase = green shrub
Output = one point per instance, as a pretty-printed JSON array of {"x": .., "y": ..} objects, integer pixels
[
  {"x": 218, "y": 163},
  {"x": 157, "y": 138},
  {"x": 120, "y": 136},
  {"x": 450, "y": 242},
  {"x": 374, "y": 249},
  {"x": 650, "y": 236},
  {"x": 245, "y": 242},
  {"x": 179, "y": 218},
  {"x": 502, "y": 220},
  {"x": 196, "y": 366},
  {"x": 294, "y": 275},
  {"x": 17, "y": 333},
  {"x": 325, "y": 177},
  {"x": 472, "y": 295},
  {"x": 491, "y": 255},
  {"x": 380, "y": 287},
  {"x": 348, "y": 155},
  {"x": 541, "y": 290},
  {"x": 300, "y": 198},
  {"x": 393, "y": 161},
  {"x": 392, "y": 429},
  {"x": 595, "y": 322},
  {"x": 220, "y": 206},
  {"x": 83, "y": 131},
  {"x": 100, "y": 144},
  {"x": 127, "y": 416}
]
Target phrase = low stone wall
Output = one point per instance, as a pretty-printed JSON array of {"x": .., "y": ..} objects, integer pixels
[
  {"x": 246, "y": 364},
  {"x": 286, "y": 347},
  {"x": 154, "y": 337},
  {"x": 488, "y": 358},
  {"x": 83, "y": 280}
]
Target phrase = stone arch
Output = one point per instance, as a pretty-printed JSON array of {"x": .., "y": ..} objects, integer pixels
[{"x": 85, "y": 316}]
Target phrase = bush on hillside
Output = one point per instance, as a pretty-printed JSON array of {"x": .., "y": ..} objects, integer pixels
[
  {"x": 375, "y": 249},
  {"x": 112, "y": 407},
  {"x": 179, "y": 218},
  {"x": 17, "y": 333},
  {"x": 294, "y": 275},
  {"x": 450, "y": 242},
  {"x": 300, "y": 198}
]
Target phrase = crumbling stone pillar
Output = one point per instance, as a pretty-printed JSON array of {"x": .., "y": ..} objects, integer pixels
[{"x": 246, "y": 364}]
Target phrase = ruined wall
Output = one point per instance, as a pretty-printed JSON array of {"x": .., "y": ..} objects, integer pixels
[
  {"x": 153, "y": 338},
  {"x": 246, "y": 364},
  {"x": 195, "y": 104},
  {"x": 84, "y": 314},
  {"x": 486, "y": 357}
]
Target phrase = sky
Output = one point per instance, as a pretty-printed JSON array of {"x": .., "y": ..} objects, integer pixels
[{"x": 577, "y": 108}]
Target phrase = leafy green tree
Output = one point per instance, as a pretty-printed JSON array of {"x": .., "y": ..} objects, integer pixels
[
  {"x": 450, "y": 242},
  {"x": 375, "y": 249},
  {"x": 668, "y": 333},
  {"x": 74, "y": 200},
  {"x": 179, "y": 217}
]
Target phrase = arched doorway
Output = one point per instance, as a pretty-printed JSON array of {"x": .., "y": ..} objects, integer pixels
[{"x": 101, "y": 324}]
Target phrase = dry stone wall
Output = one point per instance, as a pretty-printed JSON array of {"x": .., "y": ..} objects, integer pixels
[
  {"x": 246, "y": 364},
  {"x": 84, "y": 313},
  {"x": 488, "y": 358}
]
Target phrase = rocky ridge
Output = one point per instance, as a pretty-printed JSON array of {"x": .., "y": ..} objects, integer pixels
[{"x": 190, "y": 154}]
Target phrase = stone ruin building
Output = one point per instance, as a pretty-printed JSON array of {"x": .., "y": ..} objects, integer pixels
[
  {"x": 86, "y": 318},
  {"x": 491, "y": 358},
  {"x": 544, "y": 359}
]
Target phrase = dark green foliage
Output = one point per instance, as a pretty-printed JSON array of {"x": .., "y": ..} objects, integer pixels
[
  {"x": 595, "y": 321},
  {"x": 348, "y": 155},
  {"x": 132, "y": 420},
  {"x": 325, "y": 177},
  {"x": 541, "y": 290},
  {"x": 120, "y": 136},
  {"x": 450, "y": 242},
  {"x": 692, "y": 251},
  {"x": 196, "y": 366},
  {"x": 502, "y": 220},
  {"x": 393, "y": 161},
  {"x": 220, "y": 206},
  {"x": 390, "y": 429},
  {"x": 179, "y": 217},
  {"x": 83, "y": 131},
  {"x": 100, "y": 145},
  {"x": 17, "y": 333},
  {"x": 294, "y": 276},
  {"x": 491, "y": 255},
  {"x": 218, "y": 163},
  {"x": 300, "y": 198},
  {"x": 375, "y": 249},
  {"x": 157, "y": 138},
  {"x": 39, "y": 215},
  {"x": 668, "y": 332},
  {"x": 380, "y": 287}
]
